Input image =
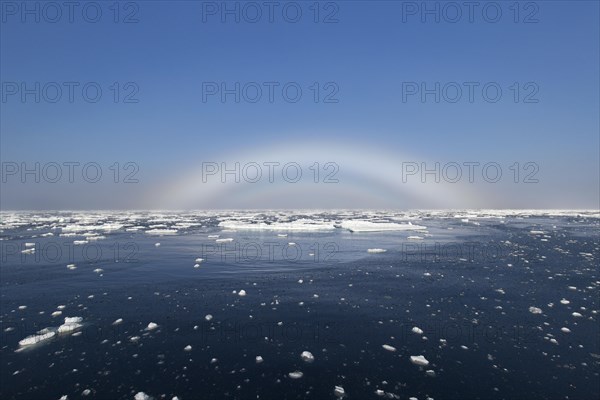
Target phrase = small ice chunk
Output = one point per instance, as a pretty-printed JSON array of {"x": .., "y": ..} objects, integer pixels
[
  {"x": 157, "y": 244},
  {"x": 71, "y": 266},
  {"x": 339, "y": 391},
  {"x": 564, "y": 301},
  {"x": 535, "y": 310},
  {"x": 242, "y": 293},
  {"x": 376, "y": 250},
  {"x": 259, "y": 359},
  {"x": 73, "y": 320},
  {"x": 187, "y": 348},
  {"x": 307, "y": 356},
  {"x": 141, "y": 396},
  {"x": 22, "y": 307},
  {"x": 151, "y": 326},
  {"x": 40, "y": 336},
  {"x": 225, "y": 240},
  {"x": 417, "y": 330},
  {"x": 296, "y": 375},
  {"x": 98, "y": 270},
  {"x": 208, "y": 317},
  {"x": 199, "y": 260},
  {"x": 388, "y": 347},
  {"x": 66, "y": 328},
  {"x": 565, "y": 330},
  {"x": 419, "y": 360},
  {"x": 577, "y": 315},
  {"x": 118, "y": 321},
  {"x": 430, "y": 373},
  {"x": 415, "y": 238}
]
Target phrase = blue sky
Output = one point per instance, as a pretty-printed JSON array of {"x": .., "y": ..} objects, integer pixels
[{"x": 367, "y": 57}]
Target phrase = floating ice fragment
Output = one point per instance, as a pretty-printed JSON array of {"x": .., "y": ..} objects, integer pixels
[
  {"x": 430, "y": 373},
  {"x": 368, "y": 226},
  {"x": 161, "y": 232},
  {"x": 417, "y": 330},
  {"x": 40, "y": 336},
  {"x": 339, "y": 391},
  {"x": 577, "y": 315},
  {"x": 376, "y": 250},
  {"x": 199, "y": 260},
  {"x": 564, "y": 301},
  {"x": 307, "y": 356},
  {"x": 296, "y": 375},
  {"x": 141, "y": 396},
  {"x": 388, "y": 347},
  {"x": 151, "y": 326},
  {"x": 157, "y": 244},
  {"x": 66, "y": 328},
  {"x": 22, "y": 307},
  {"x": 535, "y": 310},
  {"x": 118, "y": 321},
  {"x": 71, "y": 266},
  {"x": 98, "y": 270},
  {"x": 415, "y": 238},
  {"x": 187, "y": 348},
  {"x": 225, "y": 240},
  {"x": 259, "y": 359},
  {"x": 242, "y": 293},
  {"x": 565, "y": 330},
  {"x": 208, "y": 317},
  {"x": 419, "y": 360}
]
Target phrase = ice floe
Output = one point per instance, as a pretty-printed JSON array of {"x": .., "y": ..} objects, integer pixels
[
  {"x": 388, "y": 347},
  {"x": 368, "y": 226},
  {"x": 296, "y": 375},
  {"x": 419, "y": 360},
  {"x": 376, "y": 250},
  {"x": 339, "y": 391},
  {"x": 307, "y": 356}
]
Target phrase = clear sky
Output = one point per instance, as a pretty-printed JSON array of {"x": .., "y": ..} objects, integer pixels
[{"x": 362, "y": 67}]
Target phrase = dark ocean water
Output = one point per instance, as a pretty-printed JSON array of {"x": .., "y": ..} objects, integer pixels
[{"x": 508, "y": 306}]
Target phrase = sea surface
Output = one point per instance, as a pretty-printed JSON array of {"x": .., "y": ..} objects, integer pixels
[{"x": 215, "y": 305}]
